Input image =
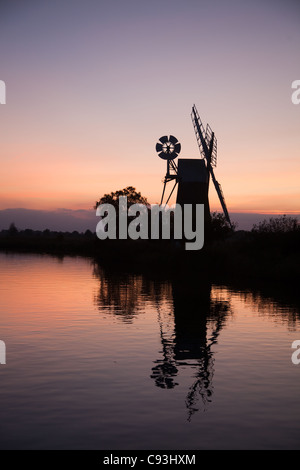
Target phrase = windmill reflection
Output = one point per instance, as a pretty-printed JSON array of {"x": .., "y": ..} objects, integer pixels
[
  {"x": 165, "y": 370},
  {"x": 198, "y": 320},
  {"x": 190, "y": 318}
]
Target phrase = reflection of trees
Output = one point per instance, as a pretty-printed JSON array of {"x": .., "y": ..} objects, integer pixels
[
  {"x": 120, "y": 294},
  {"x": 280, "y": 305},
  {"x": 124, "y": 294}
]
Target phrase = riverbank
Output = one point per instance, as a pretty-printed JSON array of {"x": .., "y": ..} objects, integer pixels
[{"x": 244, "y": 255}]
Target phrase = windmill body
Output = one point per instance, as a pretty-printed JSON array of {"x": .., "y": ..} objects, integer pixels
[
  {"x": 192, "y": 175},
  {"x": 193, "y": 179}
]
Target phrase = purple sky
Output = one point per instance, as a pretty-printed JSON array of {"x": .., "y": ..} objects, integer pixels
[{"x": 92, "y": 85}]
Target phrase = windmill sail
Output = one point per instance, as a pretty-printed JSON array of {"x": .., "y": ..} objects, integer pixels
[
  {"x": 208, "y": 149},
  {"x": 221, "y": 195}
]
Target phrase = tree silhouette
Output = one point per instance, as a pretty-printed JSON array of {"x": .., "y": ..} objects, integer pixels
[
  {"x": 219, "y": 226},
  {"x": 133, "y": 197},
  {"x": 281, "y": 224},
  {"x": 12, "y": 229}
]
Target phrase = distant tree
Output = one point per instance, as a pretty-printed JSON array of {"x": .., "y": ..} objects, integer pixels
[
  {"x": 281, "y": 224},
  {"x": 133, "y": 197},
  {"x": 88, "y": 233},
  {"x": 12, "y": 229}
]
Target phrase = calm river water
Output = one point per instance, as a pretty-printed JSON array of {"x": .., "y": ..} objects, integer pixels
[{"x": 101, "y": 360}]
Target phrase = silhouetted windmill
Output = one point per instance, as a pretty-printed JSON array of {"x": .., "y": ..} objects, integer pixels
[{"x": 192, "y": 175}]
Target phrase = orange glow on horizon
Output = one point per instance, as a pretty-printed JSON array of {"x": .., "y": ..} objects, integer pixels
[{"x": 84, "y": 112}]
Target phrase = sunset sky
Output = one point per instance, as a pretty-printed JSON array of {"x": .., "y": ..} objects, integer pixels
[{"x": 92, "y": 85}]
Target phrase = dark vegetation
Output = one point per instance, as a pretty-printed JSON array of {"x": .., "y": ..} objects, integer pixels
[
  {"x": 270, "y": 252},
  {"x": 262, "y": 254}
]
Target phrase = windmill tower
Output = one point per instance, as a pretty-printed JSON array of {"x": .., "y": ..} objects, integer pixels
[{"x": 192, "y": 175}]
